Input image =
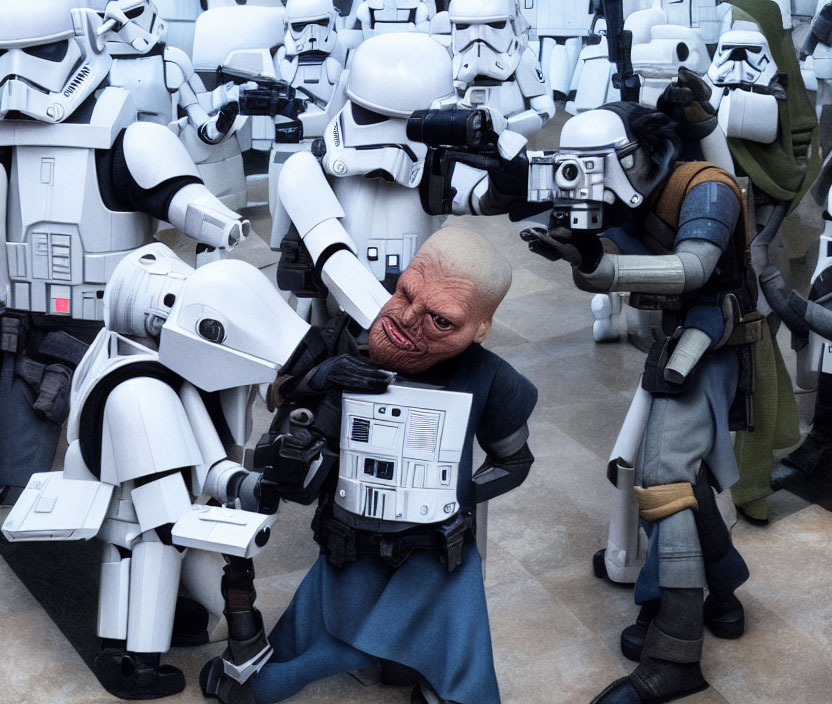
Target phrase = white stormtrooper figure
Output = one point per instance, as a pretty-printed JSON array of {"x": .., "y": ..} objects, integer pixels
[
  {"x": 312, "y": 61},
  {"x": 80, "y": 179},
  {"x": 143, "y": 447},
  {"x": 818, "y": 50},
  {"x": 162, "y": 83},
  {"x": 370, "y": 204},
  {"x": 664, "y": 40},
  {"x": 374, "y": 17},
  {"x": 180, "y": 17},
  {"x": 495, "y": 69}
]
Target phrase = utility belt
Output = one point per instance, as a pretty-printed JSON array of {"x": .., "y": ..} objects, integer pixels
[
  {"x": 50, "y": 379},
  {"x": 342, "y": 543}
]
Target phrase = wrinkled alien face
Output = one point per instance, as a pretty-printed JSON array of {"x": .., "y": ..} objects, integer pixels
[{"x": 432, "y": 316}]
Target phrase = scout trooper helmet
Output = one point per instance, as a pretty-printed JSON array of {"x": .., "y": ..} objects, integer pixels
[
  {"x": 310, "y": 26},
  {"x": 369, "y": 135},
  {"x": 220, "y": 326},
  {"x": 742, "y": 57},
  {"x": 228, "y": 327},
  {"x": 143, "y": 289},
  {"x": 137, "y": 27},
  {"x": 600, "y": 161},
  {"x": 51, "y": 57},
  {"x": 487, "y": 40}
]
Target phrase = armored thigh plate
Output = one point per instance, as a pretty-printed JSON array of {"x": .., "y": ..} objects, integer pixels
[{"x": 400, "y": 454}]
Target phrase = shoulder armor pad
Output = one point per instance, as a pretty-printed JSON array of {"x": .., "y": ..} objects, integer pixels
[
  {"x": 529, "y": 75},
  {"x": 306, "y": 194},
  {"x": 334, "y": 69},
  {"x": 154, "y": 155},
  {"x": 178, "y": 68}
]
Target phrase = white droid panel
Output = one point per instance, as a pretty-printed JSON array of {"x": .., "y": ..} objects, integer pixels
[{"x": 400, "y": 453}]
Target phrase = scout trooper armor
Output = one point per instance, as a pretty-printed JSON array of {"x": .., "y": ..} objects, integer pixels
[
  {"x": 370, "y": 205},
  {"x": 143, "y": 446},
  {"x": 495, "y": 69},
  {"x": 312, "y": 61},
  {"x": 162, "y": 82}
]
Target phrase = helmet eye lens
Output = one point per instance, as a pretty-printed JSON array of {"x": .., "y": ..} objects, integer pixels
[
  {"x": 363, "y": 116},
  {"x": 497, "y": 25},
  {"x": 54, "y": 52},
  {"x": 212, "y": 330}
]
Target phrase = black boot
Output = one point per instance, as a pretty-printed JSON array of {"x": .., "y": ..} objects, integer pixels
[
  {"x": 669, "y": 668},
  {"x": 215, "y": 684},
  {"x": 246, "y": 635},
  {"x": 190, "y": 623},
  {"x": 424, "y": 694},
  {"x": 815, "y": 454},
  {"x": 248, "y": 648},
  {"x": 633, "y": 637},
  {"x": 129, "y": 675},
  {"x": 725, "y": 570}
]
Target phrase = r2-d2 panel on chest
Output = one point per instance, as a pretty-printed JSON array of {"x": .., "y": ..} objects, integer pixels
[{"x": 400, "y": 454}]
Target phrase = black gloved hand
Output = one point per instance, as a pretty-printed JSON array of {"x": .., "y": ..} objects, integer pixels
[
  {"x": 583, "y": 250},
  {"x": 343, "y": 372},
  {"x": 226, "y": 116},
  {"x": 258, "y": 494},
  {"x": 687, "y": 101}
]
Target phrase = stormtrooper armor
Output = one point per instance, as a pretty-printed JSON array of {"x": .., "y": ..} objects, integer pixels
[
  {"x": 400, "y": 454},
  {"x": 162, "y": 82},
  {"x": 375, "y": 17},
  {"x": 80, "y": 179},
  {"x": 311, "y": 60},
  {"x": 370, "y": 204},
  {"x": 495, "y": 69},
  {"x": 137, "y": 414},
  {"x": 62, "y": 270}
]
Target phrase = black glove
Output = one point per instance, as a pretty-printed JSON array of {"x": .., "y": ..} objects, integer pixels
[
  {"x": 341, "y": 373},
  {"x": 687, "y": 102},
  {"x": 583, "y": 250}
]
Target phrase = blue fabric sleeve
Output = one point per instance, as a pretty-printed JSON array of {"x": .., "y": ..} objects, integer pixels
[
  {"x": 511, "y": 399},
  {"x": 709, "y": 212}
]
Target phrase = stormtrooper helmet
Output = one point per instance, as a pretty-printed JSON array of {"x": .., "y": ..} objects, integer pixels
[
  {"x": 229, "y": 326},
  {"x": 138, "y": 26},
  {"x": 600, "y": 161},
  {"x": 369, "y": 135},
  {"x": 142, "y": 290},
  {"x": 486, "y": 39},
  {"x": 51, "y": 57},
  {"x": 310, "y": 26},
  {"x": 742, "y": 57}
]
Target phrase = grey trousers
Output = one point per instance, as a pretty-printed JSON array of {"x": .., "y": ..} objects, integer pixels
[{"x": 680, "y": 435}]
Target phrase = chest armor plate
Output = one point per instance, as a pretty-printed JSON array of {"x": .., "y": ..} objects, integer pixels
[
  {"x": 144, "y": 78},
  {"x": 400, "y": 454},
  {"x": 61, "y": 241},
  {"x": 505, "y": 97},
  {"x": 385, "y": 220}
]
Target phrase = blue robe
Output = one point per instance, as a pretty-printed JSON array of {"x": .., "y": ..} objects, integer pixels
[{"x": 418, "y": 615}]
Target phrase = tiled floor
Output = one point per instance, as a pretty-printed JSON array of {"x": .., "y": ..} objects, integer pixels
[{"x": 555, "y": 626}]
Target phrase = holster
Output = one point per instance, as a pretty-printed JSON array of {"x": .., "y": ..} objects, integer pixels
[
  {"x": 49, "y": 380},
  {"x": 653, "y": 380}
]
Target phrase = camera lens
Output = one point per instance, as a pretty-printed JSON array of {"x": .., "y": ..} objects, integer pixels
[{"x": 570, "y": 172}]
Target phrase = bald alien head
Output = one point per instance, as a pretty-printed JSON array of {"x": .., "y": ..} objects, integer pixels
[{"x": 443, "y": 302}]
